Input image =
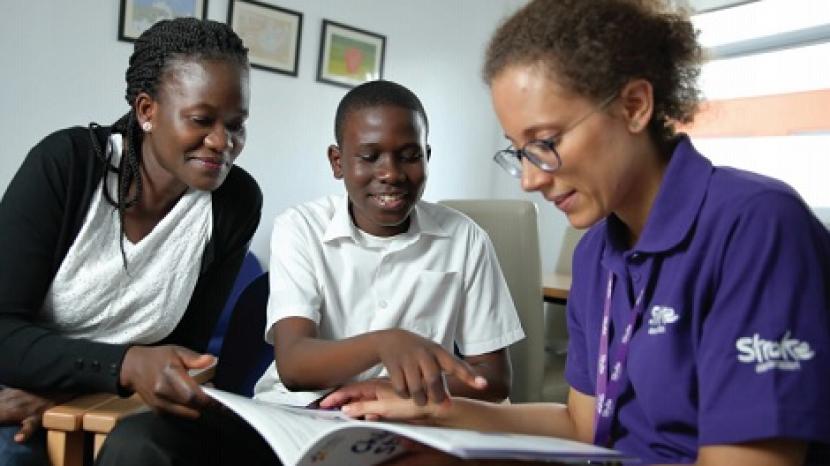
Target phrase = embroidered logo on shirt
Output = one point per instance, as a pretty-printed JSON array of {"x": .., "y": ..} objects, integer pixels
[
  {"x": 660, "y": 317},
  {"x": 785, "y": 354}
]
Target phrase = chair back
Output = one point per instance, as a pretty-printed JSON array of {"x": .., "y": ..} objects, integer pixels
[
  {"x": 249, "y": 270},
  {"x": 245, "y": 355},
  {"x": 570, "y": 239},
  {"x": 513, "y": 229}
]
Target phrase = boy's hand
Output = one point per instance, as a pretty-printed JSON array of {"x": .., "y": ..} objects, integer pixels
[
  {"x": 159, "y": 374},
  {"x": 417, "y": 366}
]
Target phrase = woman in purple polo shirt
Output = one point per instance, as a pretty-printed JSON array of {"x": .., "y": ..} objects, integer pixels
[{"x": 698, "y": 315}]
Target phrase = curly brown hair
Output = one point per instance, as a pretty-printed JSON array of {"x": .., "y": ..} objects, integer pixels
[{"x": 594, "y": 47}]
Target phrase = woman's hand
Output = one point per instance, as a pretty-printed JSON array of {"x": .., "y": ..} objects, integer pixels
[
  {"x": 159, "y": 374},
  {"x": 355, "y": 391},
  {"x": 374, "y": 399},
  {"x": 416, "y": 367},
  {"x": 18, "y": 406}
]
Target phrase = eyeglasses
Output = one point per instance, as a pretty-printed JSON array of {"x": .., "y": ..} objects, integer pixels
[{"x": 542, "y": 152}]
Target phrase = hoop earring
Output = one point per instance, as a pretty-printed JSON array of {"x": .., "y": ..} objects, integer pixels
[{"x": 146, "y": 126}]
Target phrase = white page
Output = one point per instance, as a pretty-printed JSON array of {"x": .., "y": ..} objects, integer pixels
[
  {"x": 287, "y": 430},
  {"x": 302, "y": 436}
]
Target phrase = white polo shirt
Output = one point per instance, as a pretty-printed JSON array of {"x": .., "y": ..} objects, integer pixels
[{"x": 441, "y": 280}]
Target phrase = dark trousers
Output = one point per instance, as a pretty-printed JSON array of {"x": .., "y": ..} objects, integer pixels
[{"x": 217, "y": 438}]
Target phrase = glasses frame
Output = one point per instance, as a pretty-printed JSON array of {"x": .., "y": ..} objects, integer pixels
[{"x": 511, "y": 159}]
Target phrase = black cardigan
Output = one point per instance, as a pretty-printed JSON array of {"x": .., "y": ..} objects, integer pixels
[{"x": 41, "y": 214}]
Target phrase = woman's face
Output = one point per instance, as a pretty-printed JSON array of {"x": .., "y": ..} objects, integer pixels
[
  {"x": 198, "y": 123},
  {"x": 599, "y": 167}
]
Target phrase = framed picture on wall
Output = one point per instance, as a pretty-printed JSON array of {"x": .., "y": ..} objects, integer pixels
[
  {"x": 136, "y": 16},
  {"x": 349, "y": 56},
  {"x": 272, "y": 34}
]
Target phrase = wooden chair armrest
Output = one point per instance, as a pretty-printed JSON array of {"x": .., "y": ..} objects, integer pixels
[
  {"x": 63, "y": 422},
  {"x": 68, "y": 417},
  {"x": 102, "y": 418},
  {"x": 104, "y": 408},
  {"x": 97, "y": 413}
]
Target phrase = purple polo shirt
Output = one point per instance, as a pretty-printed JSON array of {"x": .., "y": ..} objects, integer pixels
[{"x": 734, "y": 341}]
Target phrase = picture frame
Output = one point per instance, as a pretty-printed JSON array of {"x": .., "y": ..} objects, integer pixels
[
  {"x": 135, "y": 16},
  {"x": 349, "y": 56},
  {"x": 271, "y": 33}
]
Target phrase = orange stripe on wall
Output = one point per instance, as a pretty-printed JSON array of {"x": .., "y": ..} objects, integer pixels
[{"x": 769, "y": 115}]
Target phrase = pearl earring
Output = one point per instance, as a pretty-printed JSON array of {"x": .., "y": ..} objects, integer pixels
[{"x": 147, "y": 126}]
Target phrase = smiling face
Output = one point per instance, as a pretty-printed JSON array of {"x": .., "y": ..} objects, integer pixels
[
  {"x": 382, "y": 160},
  {"x": 198, "y": 123},
  {"x": 603, "y": 165}
]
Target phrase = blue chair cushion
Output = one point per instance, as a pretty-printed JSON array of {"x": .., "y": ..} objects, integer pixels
[
  {"x": 250, "y": 270},
  {"x": 245, "y": 355}
]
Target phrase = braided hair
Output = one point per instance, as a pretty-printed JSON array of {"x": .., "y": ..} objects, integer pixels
[{"x": 156, "y": 50}]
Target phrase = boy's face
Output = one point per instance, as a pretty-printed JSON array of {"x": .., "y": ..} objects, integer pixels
[{"x": 383, "y": 162}]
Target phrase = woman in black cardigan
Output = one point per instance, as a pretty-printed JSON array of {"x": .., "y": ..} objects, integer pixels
[{"x": 121, "y": 244}]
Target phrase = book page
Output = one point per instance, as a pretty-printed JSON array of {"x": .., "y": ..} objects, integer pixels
[
  {"x": 288, "y": 430},
  {"x": 362, "y": 443},
  {"x": 472, "y": 444},
  {"x": 307, "y": 437}
]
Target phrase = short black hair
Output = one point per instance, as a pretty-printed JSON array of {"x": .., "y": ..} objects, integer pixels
[{"x": 375, "y": 94}]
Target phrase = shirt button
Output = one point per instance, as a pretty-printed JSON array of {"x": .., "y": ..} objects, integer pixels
[
  {"x": 382, "y": 304},
  {"x": 113, "y": 369},
  {"x": 636, "y": 277},
  {"x": 96, "y": 366},
  {"x": 79, "y": 364}
]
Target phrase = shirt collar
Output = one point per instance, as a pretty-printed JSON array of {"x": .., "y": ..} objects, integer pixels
[
  {"x": 342, "y": 226},
  {"x": 676, "y": 206},
  {"x": 425, "y": 223}
]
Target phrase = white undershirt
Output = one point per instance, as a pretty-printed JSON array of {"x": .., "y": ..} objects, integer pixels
[
  {"x": 381, "y": 243},
  {"x": 93, "y": 296}
]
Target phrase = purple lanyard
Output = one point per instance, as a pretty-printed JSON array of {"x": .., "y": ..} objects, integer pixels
[{"x": 609, "y": 389}]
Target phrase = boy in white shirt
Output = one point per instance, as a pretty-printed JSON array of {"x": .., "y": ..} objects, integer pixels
[{"x": 378, "y": 286}]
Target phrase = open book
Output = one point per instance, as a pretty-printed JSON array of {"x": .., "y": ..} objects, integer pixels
[{"x": 302, "y": 436}]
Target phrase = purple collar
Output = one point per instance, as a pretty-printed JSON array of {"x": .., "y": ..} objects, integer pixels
[{"x": 675, "y": 208}]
